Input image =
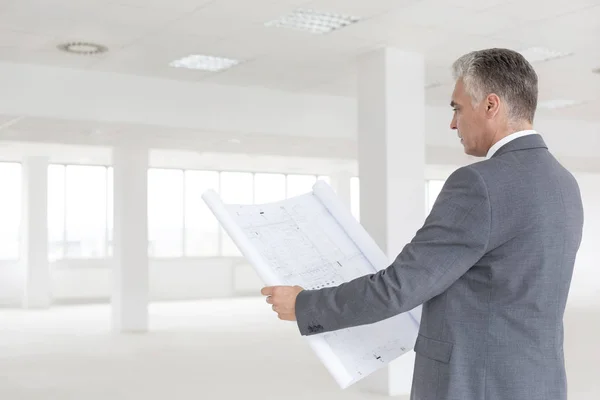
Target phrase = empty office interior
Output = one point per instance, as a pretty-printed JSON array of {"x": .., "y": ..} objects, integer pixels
[{"x": 116, "y": 279}]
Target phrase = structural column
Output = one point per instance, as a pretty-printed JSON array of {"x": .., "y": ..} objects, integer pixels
[
  {"x": 391, "y": 162},
  {"x": 34, "y": 232},
  {"x": 130, "y": 273}
]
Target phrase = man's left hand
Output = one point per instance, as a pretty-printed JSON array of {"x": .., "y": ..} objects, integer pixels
[{"x": 283, "y": 299}]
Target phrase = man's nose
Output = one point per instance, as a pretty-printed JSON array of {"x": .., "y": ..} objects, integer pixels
[{"x": 453, "y": 124}]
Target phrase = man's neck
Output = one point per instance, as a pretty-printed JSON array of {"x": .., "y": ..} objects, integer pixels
[
  {"x": 520, "y": 131},
  {"x": 513, "y": 128}
]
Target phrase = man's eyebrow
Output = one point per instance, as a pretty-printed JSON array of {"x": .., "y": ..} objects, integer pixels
[{"x": 453, "y": 104}]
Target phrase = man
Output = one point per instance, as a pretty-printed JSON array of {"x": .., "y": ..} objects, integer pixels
[{"x": 492, "y": 264}]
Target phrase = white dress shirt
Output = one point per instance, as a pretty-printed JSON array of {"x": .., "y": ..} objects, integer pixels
[{"x": 507, "y": 139}]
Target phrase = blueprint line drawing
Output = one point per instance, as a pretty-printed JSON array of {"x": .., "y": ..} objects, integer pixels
[{"x": 312, "y": 240}]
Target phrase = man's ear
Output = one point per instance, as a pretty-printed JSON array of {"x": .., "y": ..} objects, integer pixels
[{"x": 492, "y": 104}]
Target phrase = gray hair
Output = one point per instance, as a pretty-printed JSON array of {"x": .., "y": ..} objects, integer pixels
[{"x": 503, "y": 72}]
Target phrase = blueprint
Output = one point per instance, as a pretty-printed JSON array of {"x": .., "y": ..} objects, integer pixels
[{"x": 313, "y": 241}]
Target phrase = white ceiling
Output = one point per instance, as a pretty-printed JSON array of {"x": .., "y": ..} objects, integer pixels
[{"x": 143, "y": 36}]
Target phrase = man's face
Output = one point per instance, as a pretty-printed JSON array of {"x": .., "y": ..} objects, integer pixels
[{"x": 470, "y": 122}]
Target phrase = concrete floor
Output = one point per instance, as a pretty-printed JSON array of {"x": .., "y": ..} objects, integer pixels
[{"x": 221, "y": 349}]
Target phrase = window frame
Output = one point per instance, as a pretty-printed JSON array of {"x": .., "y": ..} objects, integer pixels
[{"x": 63, "y": 243}]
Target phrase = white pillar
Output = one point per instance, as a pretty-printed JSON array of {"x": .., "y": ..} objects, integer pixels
[
  {"x": 130, "y": 275},
  {"x": 34, "y": 232},
  {"x": 340, "y": 182},
  {"x": 391, "y": 157}
]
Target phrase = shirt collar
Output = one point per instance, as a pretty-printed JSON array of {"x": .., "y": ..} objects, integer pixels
[{"x": 507, "y": 139}]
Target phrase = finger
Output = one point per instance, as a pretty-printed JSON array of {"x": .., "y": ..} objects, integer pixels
[{"x": 267, "y": 291}]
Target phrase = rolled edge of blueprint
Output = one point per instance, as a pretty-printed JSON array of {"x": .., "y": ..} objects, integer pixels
[
  {"x": 214, "y": 202},
  {"x": 357, "y": 233},
  {"x": 320, "y": 348}
]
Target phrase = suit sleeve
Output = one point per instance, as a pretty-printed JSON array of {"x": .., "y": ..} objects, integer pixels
[{"x": 453, "y": 238}]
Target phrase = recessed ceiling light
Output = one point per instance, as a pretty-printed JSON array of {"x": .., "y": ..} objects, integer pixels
[
  {"x": 596, "y": 70},
  {"x": 559, "y": 103},
  {"x": 539, "y": 54},
  {"x": 313, "y": 21},
  {"x": 84, "y": 48},
  {"x": 205, "y": 63}
]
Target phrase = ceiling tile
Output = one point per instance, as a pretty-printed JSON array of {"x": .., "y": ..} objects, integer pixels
[
  {"x": 149, "y": 61},
  {"x": 585, "y": 20},
  {"x": 530, "y": 10},
  {"x": 165, "y": 46},
  {"x": 567, "y": 79},
  {"x": 114, "y": 38},
  {"x": 385, "y": 30},
  {"x": 445, "y": 16},
  {"x": 180, "y": 5},
  {"x": 47, "y": 57},
  {"x": 445, "y": 54},
  {"x": 357, "y": 8},
  {"x": 256, "y": 40},
  {"x": 131, "y": 16},
  {"x": 33, "y": 22},
  {"x": 477, "y": 5},
  {"x": 111, "y": 25},
  {"x": 262, "y": 72},
  {"x": 22, "y": 40},
  {"x": 223, "y": 18},
  {"x": 587, "y": 112}
]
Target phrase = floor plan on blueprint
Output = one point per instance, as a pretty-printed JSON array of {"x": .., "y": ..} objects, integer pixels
[{"x": 313, "y": 241}]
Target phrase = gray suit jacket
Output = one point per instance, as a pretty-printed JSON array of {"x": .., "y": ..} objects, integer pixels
[{"x": 492, "y": 266}]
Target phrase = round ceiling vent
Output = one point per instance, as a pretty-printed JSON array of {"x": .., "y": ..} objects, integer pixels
[
  {"x": 596, "y": 70},
  {"x": 84, "y": 48}
]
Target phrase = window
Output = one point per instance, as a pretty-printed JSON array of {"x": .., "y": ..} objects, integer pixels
[
  {"x": 299, "y": 184},
  {"x": 10, "y": 210},
  {"x": 324, "y": 178},
  {"x": 269, "y": 188},
  {"x": 80, "y": 209},
  {"x": 77, "y": 211},
  {"x": 85, "y": 211},
  {"x": 236, "y": 188},
  {"x": 434, "y": 187},
  {"x": 181, "y": 225},
  {"x": 201, "y": 226},
  {"x": 165, "y": 212}
]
